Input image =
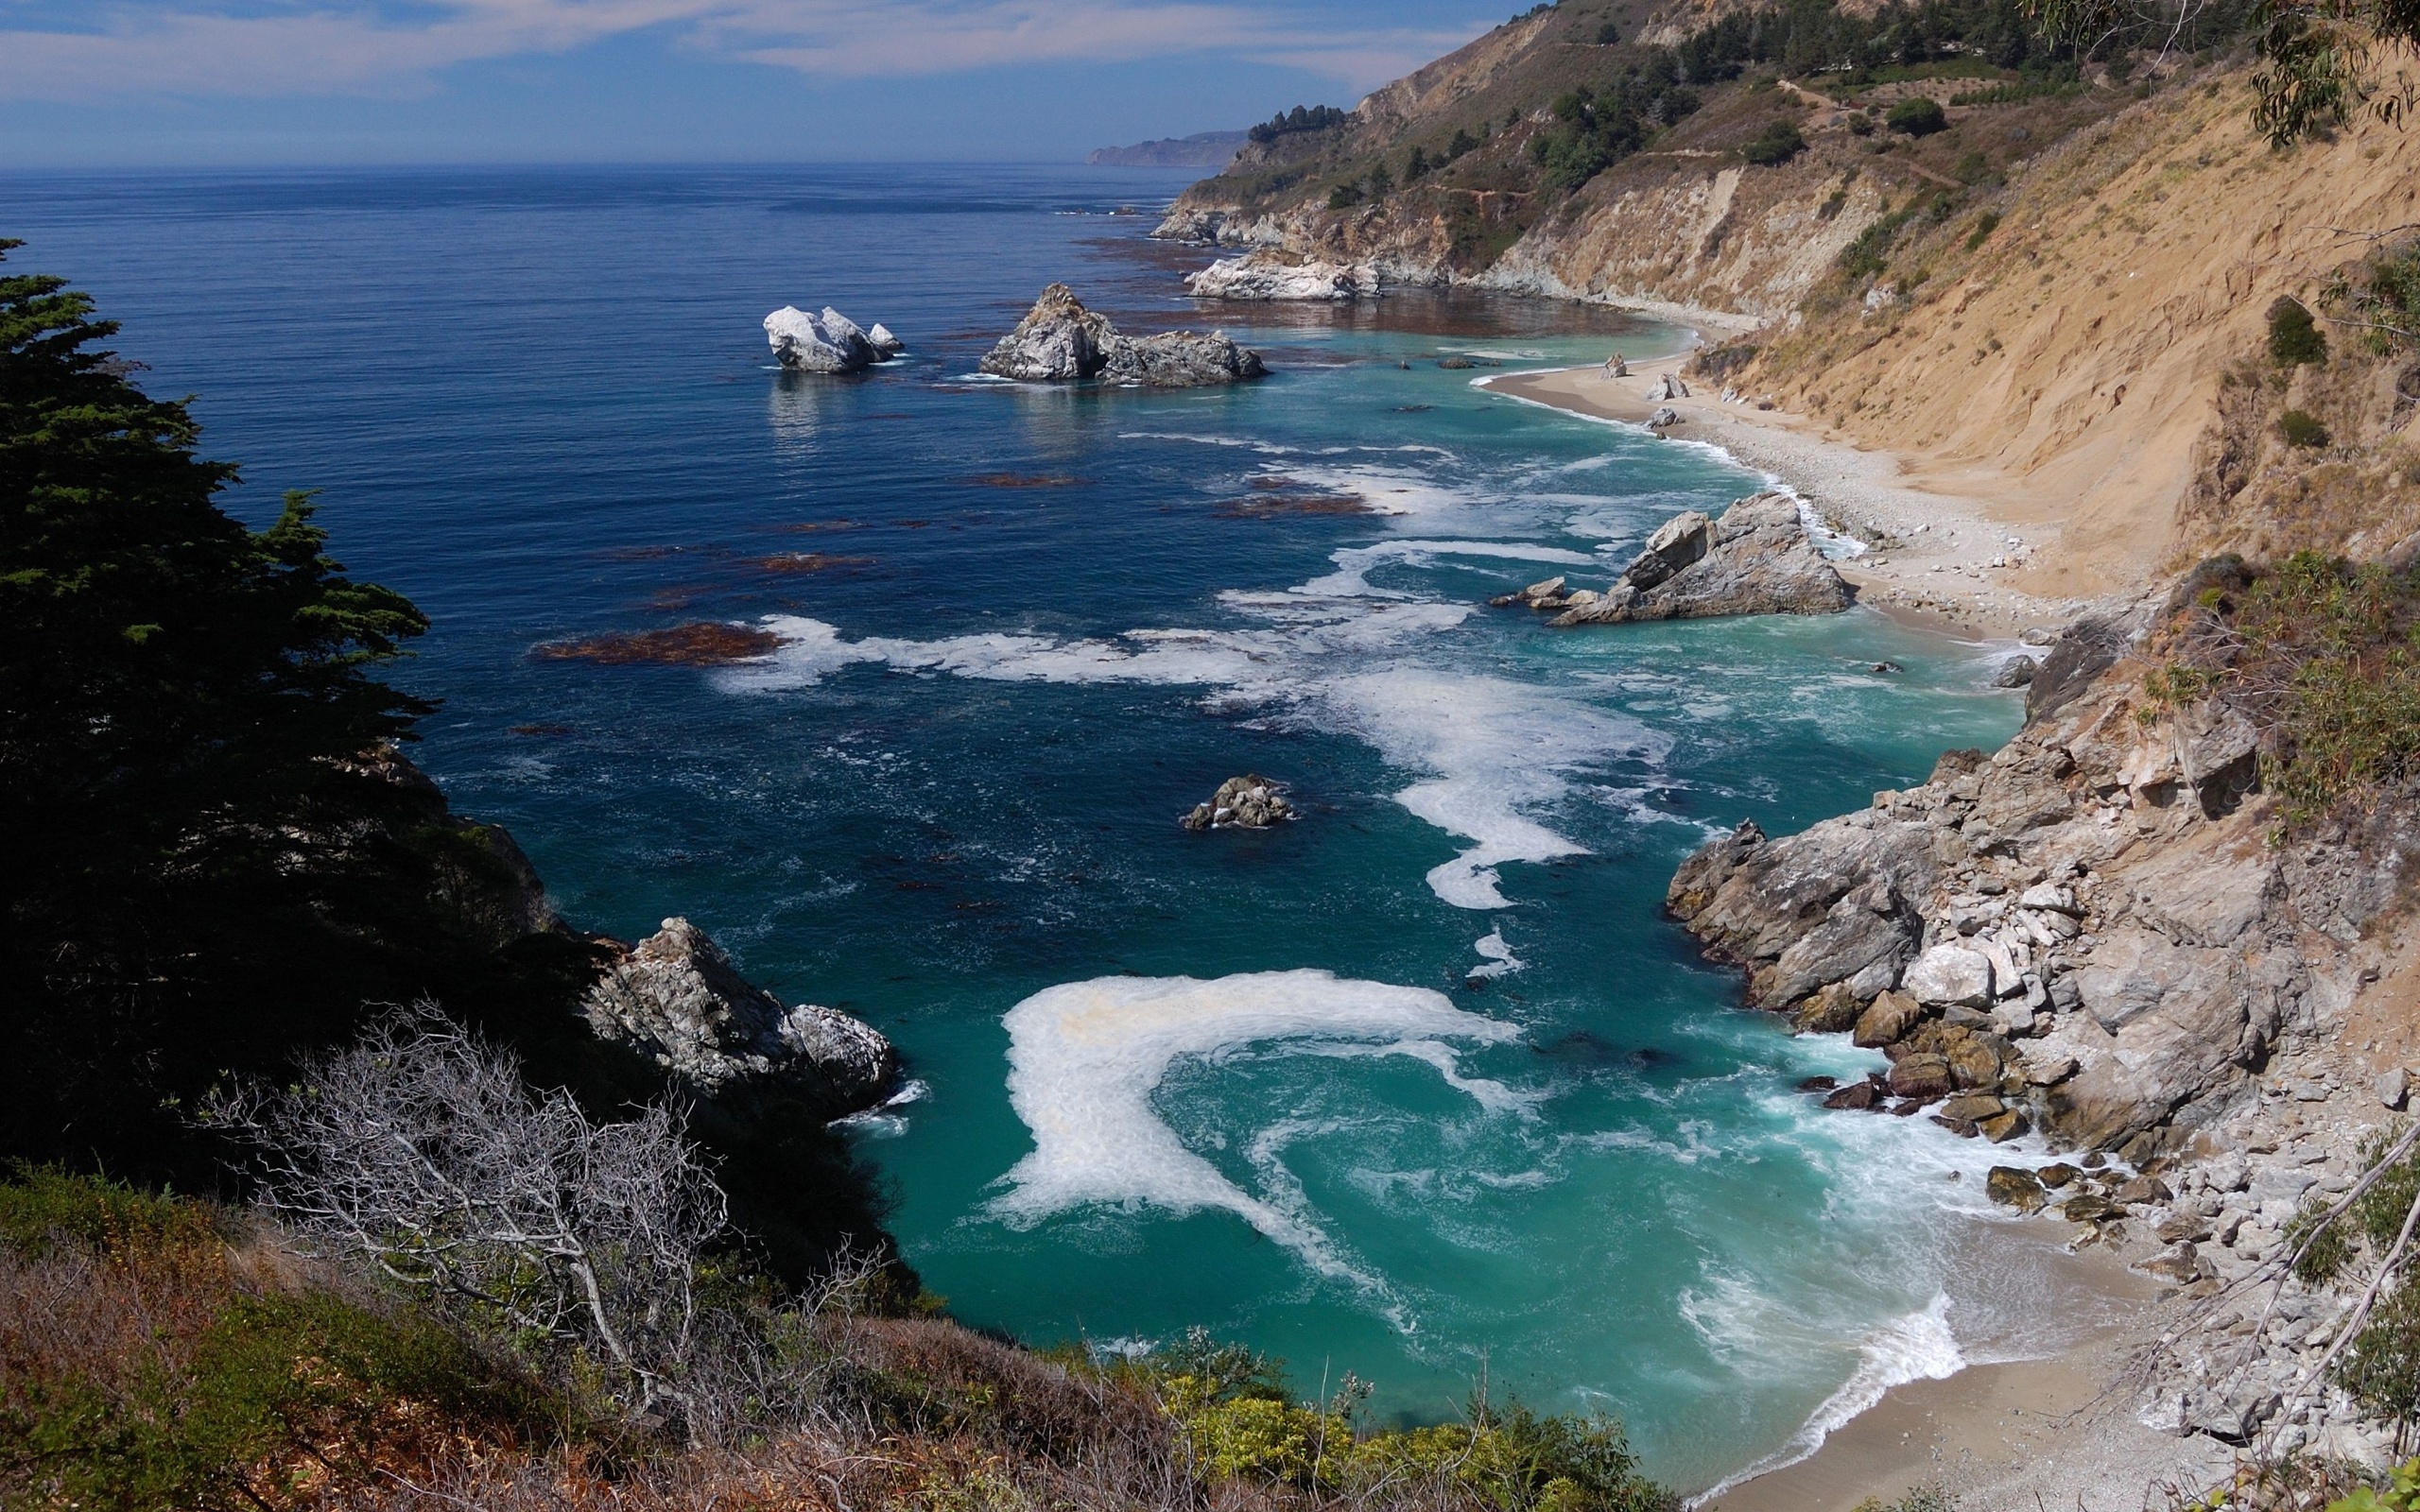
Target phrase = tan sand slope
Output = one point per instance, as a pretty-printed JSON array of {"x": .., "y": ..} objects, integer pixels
[{"x": 2077, "y": 351}]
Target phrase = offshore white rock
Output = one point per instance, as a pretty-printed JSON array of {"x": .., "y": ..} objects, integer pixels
[
  {"x": 885, "y": 345},
  {"x": 1250, "y": 278},
  {"x": 827, "y": 343}
]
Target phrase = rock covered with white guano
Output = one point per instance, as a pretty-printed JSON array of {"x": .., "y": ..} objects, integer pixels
[
  {"x": 1245, "y": 802},
  {"x": 1257, "y": 278},
  {"x": 830, "y": 342},
  {"x": 676, "y": 998}
]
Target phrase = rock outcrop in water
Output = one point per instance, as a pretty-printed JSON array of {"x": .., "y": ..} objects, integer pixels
[
  {"x": 830, "y": 342},
  {"x": 1245, "y": 802},
  {"x": 676, "y": 998},
  {"x": 1245, "y": 278},
  {"x": 1060, "y": 340},
  {"x": 2098, "y": 911},
  {"x": 1754, "y": 558}
]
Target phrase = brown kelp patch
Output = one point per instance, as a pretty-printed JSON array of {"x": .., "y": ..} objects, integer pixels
[
  {"x": 1026, "y": 480},
  {"x": 806, "y": 561},
  {"x": 705, "y": 644},
  {"x": 1275, "y": 494}
]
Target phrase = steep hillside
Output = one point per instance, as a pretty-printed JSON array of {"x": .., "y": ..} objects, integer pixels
[
  {"x": 2098, "y": 329},
  {"x": 2050, "y": 295}
]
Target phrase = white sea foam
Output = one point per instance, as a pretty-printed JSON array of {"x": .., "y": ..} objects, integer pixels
[
  {"x": 1499, "y": 748},
  {"x": 1499, "y": 956},
  {"x": 1916, "y": 1346},
  {"x": 1496, "y": 748},
  {"x": 1354, "y": 563},
  {"x": 886, "y": 1119},
  {"x": 1085, "y": 1057}
]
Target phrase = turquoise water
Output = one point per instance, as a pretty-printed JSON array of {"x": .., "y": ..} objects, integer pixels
[{"x": 1457, "y": 1098}]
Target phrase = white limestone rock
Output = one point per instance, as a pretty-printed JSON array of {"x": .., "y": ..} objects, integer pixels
[
  {"x": 827, "y": 343},
  {"x": 1254, "y": 278},
  {"x": 1949, "y": 974}
]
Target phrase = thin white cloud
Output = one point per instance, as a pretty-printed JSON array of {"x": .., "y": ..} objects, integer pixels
[{"x": 336, "y": 47}]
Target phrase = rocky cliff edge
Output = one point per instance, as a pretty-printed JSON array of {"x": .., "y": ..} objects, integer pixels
[{"x": 2103, "y": 929}]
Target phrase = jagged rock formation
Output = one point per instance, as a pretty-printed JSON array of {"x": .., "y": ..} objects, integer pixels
[
  {"x": 1060, "y": 340},
  {"x": 1247, "y": 278},
  {"x": 1247, "y": 802},
  {"x": 1755, "y": 559},
  {"x": 2093, "y": 925},
  {"x": 676, "y": 998},
  {"x": 830, "y": 342}
]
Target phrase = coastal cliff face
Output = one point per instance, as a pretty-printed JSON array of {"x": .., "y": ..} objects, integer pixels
[
  {"x": 2063, "y": 291},
  {"x": 2103, "y": 928}
]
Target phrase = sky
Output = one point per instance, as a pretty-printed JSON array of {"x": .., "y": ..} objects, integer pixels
[{"x": 266, "y": 82}]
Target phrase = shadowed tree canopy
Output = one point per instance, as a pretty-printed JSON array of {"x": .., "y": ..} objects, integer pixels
[
  {"x": 173, "y": 681},
  {"x": 214, "y": 864}
]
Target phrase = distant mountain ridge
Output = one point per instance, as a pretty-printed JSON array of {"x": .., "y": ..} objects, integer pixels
[{"x": 1203, "y": 150}]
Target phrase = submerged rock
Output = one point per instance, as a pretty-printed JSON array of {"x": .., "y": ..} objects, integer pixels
[
  {"x": 1061, "y": 342},
  {"x": 1755, "y": 559},
  {"x": 676, "y": 998},
  {"x": 1247, "y": 802},
  {"x": 829, "y": 342}
]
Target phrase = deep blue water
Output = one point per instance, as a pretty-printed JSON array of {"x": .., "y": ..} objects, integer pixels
[{"x": 539, "y": 403}]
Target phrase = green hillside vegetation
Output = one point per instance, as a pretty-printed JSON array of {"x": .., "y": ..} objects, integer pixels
[
  {"x": 160, "y": 1354},
  {"x": 1537, "y": 134}
]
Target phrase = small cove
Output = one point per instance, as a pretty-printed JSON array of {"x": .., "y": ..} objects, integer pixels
[{"x": 1023, "y": 630}]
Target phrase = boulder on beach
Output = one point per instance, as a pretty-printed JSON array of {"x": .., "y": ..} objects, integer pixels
[
  {"x": 1060, "y": 341},
  {"x": 1755, "y": 559},
  {"x": 1243, "y": 802},
  {"x": 676, "y": 998}
]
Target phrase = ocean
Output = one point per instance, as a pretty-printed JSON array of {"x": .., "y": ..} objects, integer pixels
[{"x": 1422, "y": 1085}]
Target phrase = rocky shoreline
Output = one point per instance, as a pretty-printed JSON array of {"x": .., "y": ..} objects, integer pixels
[{"x": 2103, "y": 933}]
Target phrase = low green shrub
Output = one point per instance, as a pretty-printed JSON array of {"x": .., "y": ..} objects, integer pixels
[
  {"x": 2302, "y": 428},
  {"x": 2294, "y": 338},
  {"x": 2331, "y": 670},
  {"x": 2382, "y": 298},
  {"x": 1776, "y": 144},
  {"x": 1917, "y": 115},
  {"x": 42, "y": 1207},
  {"x": 2398, "y": 1492},
  {"x": 1986, "y": 223}
]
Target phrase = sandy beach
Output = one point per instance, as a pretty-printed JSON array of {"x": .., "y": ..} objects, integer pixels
[
  {"x": 1970, "y": 551},
  {"x": 2057, "y": 1432}
]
